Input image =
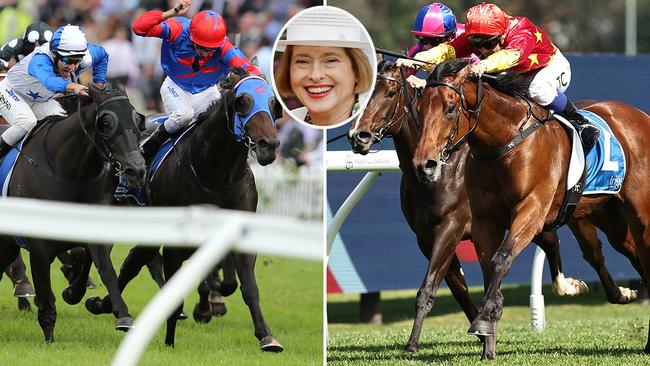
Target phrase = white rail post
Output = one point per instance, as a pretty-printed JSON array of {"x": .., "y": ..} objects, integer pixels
[
  {"x": 537, "y": 313},
  {"x": 344, "y": 211},
  {"x": 171, "y": 295}
]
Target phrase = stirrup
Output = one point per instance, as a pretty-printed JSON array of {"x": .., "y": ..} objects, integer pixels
[{"x": 588, "y": 136}]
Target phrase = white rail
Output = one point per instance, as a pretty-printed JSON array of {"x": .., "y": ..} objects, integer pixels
[
  {"x": 220, "y": 230},
  {"x": 387, "y": 161}
]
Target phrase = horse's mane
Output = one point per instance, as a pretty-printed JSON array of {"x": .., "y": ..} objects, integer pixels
[{"x": 510, "y": 83}]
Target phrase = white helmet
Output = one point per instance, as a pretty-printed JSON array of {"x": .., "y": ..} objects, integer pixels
[{"x": 69, "y": 40}]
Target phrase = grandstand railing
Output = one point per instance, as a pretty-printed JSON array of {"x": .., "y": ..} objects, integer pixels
[
  {"x": 387, "y": 161},
  {"x": 287, "y": 190},
  {"x": 214, "y": 231}
]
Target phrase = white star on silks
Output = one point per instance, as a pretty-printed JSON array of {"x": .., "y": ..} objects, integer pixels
[{"x": 34, "y": 95}]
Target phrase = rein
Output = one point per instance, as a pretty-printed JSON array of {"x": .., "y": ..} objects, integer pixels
[
  {"x": 451, "y": 146},
  {"x": 408, "y": 107}
]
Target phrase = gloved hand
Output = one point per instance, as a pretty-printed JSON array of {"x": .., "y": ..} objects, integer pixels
[
  {"x": 408, "y": 63},
  {"x": 416, "y": 82}
]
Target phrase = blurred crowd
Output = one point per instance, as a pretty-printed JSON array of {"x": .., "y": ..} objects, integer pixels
[{"x": 253, "y": 26}]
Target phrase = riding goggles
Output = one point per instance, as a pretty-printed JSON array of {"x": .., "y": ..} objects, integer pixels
[
  {"x": 204, "y": 49},
  {"x": 481, "y": 41},
  {"x": 432, "y": 41},
  {"x": 71, "y": 60}
]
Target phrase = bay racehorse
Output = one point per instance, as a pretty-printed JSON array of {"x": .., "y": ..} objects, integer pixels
[
  {"x": 209, "y": 165},
  {"x": 520, "y": 189},
  {"x": 438, "y": 214},
  {"x": 72, "y": 159}
]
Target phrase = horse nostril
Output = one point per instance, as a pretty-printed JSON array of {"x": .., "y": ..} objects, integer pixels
[
  {"x": 364, "y": 137},
  {"x": 430, "y": 165}
]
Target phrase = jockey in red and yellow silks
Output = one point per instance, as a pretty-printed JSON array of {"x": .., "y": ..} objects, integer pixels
[{"x": 506, "y": 43}]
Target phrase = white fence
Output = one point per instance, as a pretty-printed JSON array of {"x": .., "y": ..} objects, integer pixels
[
  {"x": 286, "y": 190},
  {"x": 215, "y": 231},
  {"x": 387, "y": 161}
]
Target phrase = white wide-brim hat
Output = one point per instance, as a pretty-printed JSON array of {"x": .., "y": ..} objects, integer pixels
[{"x": 324, "y": 26}]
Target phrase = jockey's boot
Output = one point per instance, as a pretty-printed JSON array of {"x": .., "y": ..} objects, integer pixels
[
  {"x": 587, "y": 131},
  {"x": 4, "y": 148},
  {"x": 151, "y": 145}
]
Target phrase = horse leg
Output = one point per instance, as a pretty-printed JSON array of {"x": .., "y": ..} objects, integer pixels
[
  {"x": 229, "y": 283},
  {"x": 562, "y": 286},
  {"x": 137, "y": 258},
  {"x": 77, "y": 288},
  {"x": 245, "y": 266},
  {"x": 217, "y": 302},
  {"x": 522, "y": 231},
  {"x": 172, "y": 261},
  {"x": 590, "y": 245},
  {"x": 154, "y": 266},
  {"x": 455, "y": 279},
  {"x": 203, "y": 309},
  {"x": 101, "y": 255},
  {"x": 16, "y": 273},
  {"x": 440, "y": 255},
  {"x": 40, "y": 261}
]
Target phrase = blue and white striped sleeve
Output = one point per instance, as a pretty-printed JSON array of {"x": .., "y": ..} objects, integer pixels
[
  {"x": 100, "y": 62},
  {"x": 41, "y": 67}
]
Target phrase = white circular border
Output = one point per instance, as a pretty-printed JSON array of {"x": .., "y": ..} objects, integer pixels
[{"x": 373, "y": 64}]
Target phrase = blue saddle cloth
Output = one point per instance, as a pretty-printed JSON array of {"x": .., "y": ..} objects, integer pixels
[
  {"x": 6, "y": 168},
  {"x": 123, "y": 191},
  {"x": 606, "y": 160}
]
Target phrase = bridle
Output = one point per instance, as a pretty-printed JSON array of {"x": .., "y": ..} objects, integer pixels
[
  {"x": 410, "y": 101},
  {"x": 118, "y": 128},
  {"x": 450, "y": 147}
]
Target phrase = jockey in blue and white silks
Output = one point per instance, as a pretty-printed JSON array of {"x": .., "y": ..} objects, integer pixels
[
  {"x": 27, "y": 91},
  {"x": 195, "y": 55}
]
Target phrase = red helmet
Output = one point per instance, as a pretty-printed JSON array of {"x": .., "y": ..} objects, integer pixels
[
  {"x": 208, "y": 29},
  {"x": 485, "y": 19}
]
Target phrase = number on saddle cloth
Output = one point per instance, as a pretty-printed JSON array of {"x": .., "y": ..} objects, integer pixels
[{"x": 605, "y": 162}]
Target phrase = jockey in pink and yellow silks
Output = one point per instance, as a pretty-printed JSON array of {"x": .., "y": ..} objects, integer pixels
[
  {"x": 507, "y": 43},
  {"x": 433, "y": 25}
]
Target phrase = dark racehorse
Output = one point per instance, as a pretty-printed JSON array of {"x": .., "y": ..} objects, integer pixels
[
  {"x": 71, "y": 159},
  {"x": 439, "y": 214},
  {"x": 521, "y": 191},
  {"x": 209, "y": 165}
]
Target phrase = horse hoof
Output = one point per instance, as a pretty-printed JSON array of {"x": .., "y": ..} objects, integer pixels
[
  {"x": 218, "y": 309},
  {"x": 481, "y": 328},
  {"x": 628, "y": 295},
  {"x": 411, "y": 348},
  {"x": 270, "y": 344},
  {"x": 23, "y": 304},
  {"x": 24, "y": 289},
  {"x": 94, "y": 305},
  {"x": 182, "y": 316},
  {"x": 70, "y": 297},
  {"x": 202, "y": 315},
  {"x": 124, "y": 324}
]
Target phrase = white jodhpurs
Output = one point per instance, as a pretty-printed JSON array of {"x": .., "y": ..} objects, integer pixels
[
  {"x": 22, "y": 116},
  {"x": 181, "y": 106},
  {"x": 550, "y": 80}
]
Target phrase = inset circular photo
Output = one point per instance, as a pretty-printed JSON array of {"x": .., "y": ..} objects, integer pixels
[{"x": 324, "y": 67}]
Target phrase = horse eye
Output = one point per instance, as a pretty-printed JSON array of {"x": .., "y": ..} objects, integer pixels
[
  {"x": 105, "y": 125},
  {"x": 391, "y": 93},
  {"x": 451, "y": 108}
]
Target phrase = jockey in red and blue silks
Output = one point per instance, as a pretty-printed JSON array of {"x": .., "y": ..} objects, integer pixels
[{"x": 195, "y": 55}]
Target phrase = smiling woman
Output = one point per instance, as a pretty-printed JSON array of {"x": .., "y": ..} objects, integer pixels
[{"x": 327, "y": 65}]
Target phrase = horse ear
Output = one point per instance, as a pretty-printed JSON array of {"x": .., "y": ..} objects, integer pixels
[
  {"x": 254, "y": 61},
  {"x": 380, "y": 57},
  {"x": 120, "y": 87}
]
